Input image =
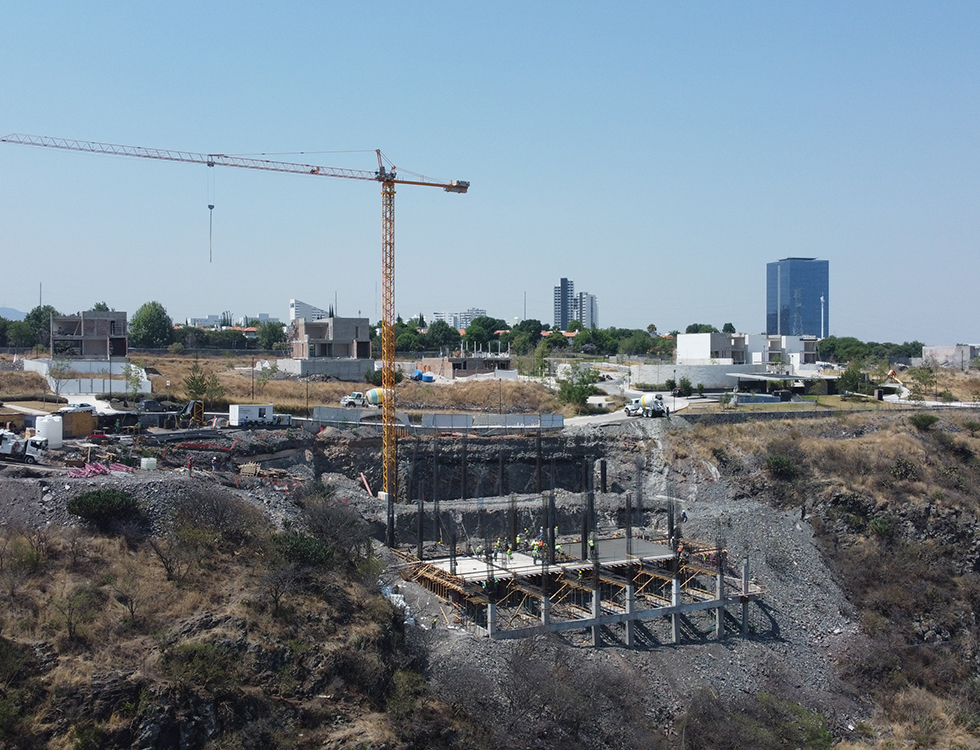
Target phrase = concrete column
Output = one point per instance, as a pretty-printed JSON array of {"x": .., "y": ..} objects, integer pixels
[
  {"x": 491, "y": 619},
  {"x": 596, "y": 611},
  {"x": 720, "y": 612},
  {"x": 630, "y": 609},
  {"x": 745, "y": 596},
  {"x": 546, "y": 610},
  {"x": 675, "y": 619}
]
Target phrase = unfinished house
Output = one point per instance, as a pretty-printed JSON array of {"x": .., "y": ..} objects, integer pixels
[
  {"x": 465, "y": 366},
  {"x": 90, "y": 335},
  {"x": 330, "y": 338}
]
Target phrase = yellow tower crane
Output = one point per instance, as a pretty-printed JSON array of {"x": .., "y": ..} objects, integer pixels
[{"x": 387, "y": 178}]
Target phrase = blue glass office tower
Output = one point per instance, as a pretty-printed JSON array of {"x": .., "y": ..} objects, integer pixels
[{"x": 798, "y": 297}]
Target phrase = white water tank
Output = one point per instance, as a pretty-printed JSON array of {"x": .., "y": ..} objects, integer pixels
[
  {"x": 52, "y": 429},
  {"x": 148, "y": 464}
]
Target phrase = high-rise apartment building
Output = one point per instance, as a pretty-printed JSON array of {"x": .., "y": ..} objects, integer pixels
[
  {"x": 570, "y": 306},
  {"x": 563, "y": 303},
  {"x": 798, "y": 297},
  {"x": 585, "y": 309}
]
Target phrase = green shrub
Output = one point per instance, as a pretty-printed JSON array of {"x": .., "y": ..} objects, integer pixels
[
  {"x": 201, "y": 665},
  {"x": 923, "y": 422},
  {"x": 303, "y": 550},
  {"x": 883, "y": 526},
  {"x": 904, "y": 469},
  {"x": 88, "y": 738},
  {"x": 762, "y": 722},
  {"x": 780, "y": 467},
  {"x": 971, "y": 427},
  {"x": 107, "y": 508}
]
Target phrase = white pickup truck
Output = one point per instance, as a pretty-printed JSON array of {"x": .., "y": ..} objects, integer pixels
[
  {"x": 29, "y": 450},
  {"x": 355, "y": 399}
]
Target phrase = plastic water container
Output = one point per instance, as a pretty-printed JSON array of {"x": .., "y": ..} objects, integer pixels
[
  {"x": 148, "y": 464},
  {"x": 51, "y": 428}
]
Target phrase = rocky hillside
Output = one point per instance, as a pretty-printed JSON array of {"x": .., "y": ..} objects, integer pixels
[
  {"x": 196, "y": 614},
  {"x": 894, "y": 504}
]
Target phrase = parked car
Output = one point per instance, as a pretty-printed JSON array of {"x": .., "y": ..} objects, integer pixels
[{"x": 149, "y": 404}]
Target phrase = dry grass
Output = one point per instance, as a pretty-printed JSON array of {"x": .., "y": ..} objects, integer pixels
[
  {"x": 821, "y": 403},
  {"x": 290, "y": 394},
  {"x": 108, "y": 612},
  {"x": 917, "y": 719},
  {"x": 17, "y": 382},
  {"x": 854, "y": 452}
]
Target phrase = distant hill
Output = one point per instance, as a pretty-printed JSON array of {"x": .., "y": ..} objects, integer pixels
[{"x": 11, "y": 314}]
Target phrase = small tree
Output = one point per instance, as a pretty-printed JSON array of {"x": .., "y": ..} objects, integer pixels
[
  {"x": 59, "y": 372},
  {"x": 133, "y": 376},
  {"x": 685, "y": 387},
  {"x": 850, "y": 380},
  {"x": 577, "y": 388},
  {"x": 267, "y": 374}
]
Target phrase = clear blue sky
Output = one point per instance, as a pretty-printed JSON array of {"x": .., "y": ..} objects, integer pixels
[{"x": 659, "y": 154}]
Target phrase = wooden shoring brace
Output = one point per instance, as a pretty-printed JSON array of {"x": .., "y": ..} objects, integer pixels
[
  {"x": 686, "y": 575},
  {"x": 559, "y": 596},
  {"x": 517, "y": 610}
]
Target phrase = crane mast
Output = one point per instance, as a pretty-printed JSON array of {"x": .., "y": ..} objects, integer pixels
[{"x": 388, "y": 180}]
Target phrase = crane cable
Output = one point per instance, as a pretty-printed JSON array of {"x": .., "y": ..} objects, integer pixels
[{"x": 210, "y": 211}]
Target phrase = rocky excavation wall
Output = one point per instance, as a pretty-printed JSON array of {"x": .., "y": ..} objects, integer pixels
[{"x": 466, "y": 467}]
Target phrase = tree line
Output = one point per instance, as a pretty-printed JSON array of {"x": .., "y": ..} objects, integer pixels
[
  {"x": 150, "y": 327},
  {"x": 526, "y": 338}
]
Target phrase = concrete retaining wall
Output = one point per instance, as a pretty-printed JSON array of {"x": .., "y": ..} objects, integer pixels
[
  {"x": 711, "y": 376},
  {"x": 351, "y": 370}
]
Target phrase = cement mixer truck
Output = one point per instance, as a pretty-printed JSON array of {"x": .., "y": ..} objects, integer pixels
[{"x": 647, "y": 405}]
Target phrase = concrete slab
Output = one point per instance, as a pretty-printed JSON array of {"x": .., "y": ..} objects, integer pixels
[{"x": 611, "y": 552}]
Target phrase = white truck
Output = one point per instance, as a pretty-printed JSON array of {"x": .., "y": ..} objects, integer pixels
[
  {"x": 30, "y": 450},
  {"x": 355, "y": 399}
]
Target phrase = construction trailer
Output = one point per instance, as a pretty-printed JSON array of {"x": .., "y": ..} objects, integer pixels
[{"x": 245, "y": 415}]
